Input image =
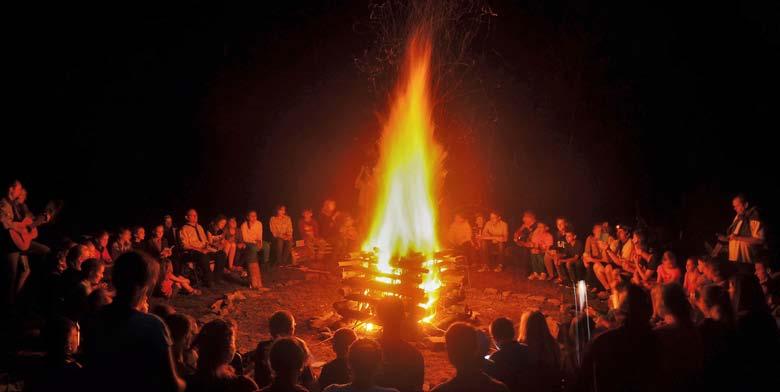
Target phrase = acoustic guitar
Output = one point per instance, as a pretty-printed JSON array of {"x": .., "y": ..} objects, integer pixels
[{"x": 22, "y": 235}]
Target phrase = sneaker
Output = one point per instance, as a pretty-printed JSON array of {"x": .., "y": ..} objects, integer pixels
[
  {"x": 482, "y": 269},
  {"x": 543, "y": 276},
  {"x": 533, "y": 276},
  {"x": 499, "y": 268}
]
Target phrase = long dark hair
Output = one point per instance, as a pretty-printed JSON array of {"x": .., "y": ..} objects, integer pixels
[
  {"x": 542, "y": 347},
  {"x": 215, "y": 348},
  {"x": 715, "y": 297},
  {"x": 675, "y": 303}
]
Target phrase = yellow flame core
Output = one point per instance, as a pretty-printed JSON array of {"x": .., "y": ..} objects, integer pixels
[{"x": 409, "y": 166}]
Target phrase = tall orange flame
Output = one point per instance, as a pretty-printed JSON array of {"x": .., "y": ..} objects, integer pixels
[{"x": 408, "y": 171}]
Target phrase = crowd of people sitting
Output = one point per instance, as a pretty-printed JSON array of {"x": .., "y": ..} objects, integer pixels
[{"x": 710, "y": 324}]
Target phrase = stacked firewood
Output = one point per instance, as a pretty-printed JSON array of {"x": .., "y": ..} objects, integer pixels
[{"x": 364, "y": 284}]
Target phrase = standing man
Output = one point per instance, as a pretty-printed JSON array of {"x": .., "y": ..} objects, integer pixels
[
  {"x": 194, "y": 241},
  {"x": 282, "y": 230},
  {"x": 495, "y": 234},
  {"x": 746, "y": 233}
]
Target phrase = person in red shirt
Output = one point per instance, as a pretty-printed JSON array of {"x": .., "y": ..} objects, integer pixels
[{"x": 668, "y": 271}]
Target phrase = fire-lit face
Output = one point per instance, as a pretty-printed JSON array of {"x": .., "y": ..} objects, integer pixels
[
  {"x": 597, "y": 230},
  {"x": 458, "y": 218},
  {"x": 252, "y": 217},
  {"x": 22, "y": 196},
  {"x": 622, "y": 234},
  {"x": 494, "y": 217},
  {"x": 760, "y": 271},
  {"x": 14, "y": 190},
  {"x": 528, "y": 219},
  {"x": 329, "y": 206},
  {"x": 739, "y": 205},
  {"x": 192, "y": 217},
  {"x": 479, "y": 220},
  {"x": 667, "y": 261},
  {"x": 85, "y": 254},
  {"x": 103, "y": 240},
  {"x": 282, "y": 211},
  {"x": 93, "y": 253},
  {"x": 74, "y": 339},
  {"x": 690, "y": 265},
  {"x": 168, "y": 222},
  {"x": 307, "y": 215},
  {"x": 97, "y": 277},
  {"x": 700, "y": 266},
  {"x": 221, "y": 224},
  {"x": 125, "y": 236},
  {"x": 560, "y": 224},
  {"x": 232, "y": 223},
  {"x": 158, "y": 232},
  {"x": 140, "y": 234},
  {"x": 570, "y": 237}
]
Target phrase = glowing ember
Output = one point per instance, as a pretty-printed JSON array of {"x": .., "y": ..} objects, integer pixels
[{"x": 404, "y": 219}]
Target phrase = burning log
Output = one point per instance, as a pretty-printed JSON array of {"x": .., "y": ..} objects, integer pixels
[
  {"x": 407, "y": 277},
  {"x": 403, "y": 289}
]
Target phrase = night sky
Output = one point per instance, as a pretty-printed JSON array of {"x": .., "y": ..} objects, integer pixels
[{"x": 589, "y": 109}]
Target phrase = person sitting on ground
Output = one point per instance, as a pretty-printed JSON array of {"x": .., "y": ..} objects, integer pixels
[
  {"x": 347, "y": 235},
  {"x": 157, "y": 246},
  {"x": 216, "y": 345},
  {"x": 125, "y": 349},
  {"x": 758, "y": 338},
  {"x": 281, "y": 324},
  {"x": 101, "y": 246},
  {"x": 139, "y": 238},
  {"x": 717, "y": 332},
  {"x": 511, "y": 360},
  {"x": 216, "y": 234},
  {"x": 287, "y": 359},
  {"x": 542, "y": 241},
  {"x": 544, "y": 354},
  {"x": 592, "y": 257},
  {"x": 459, "y": 236},
  {"x": 365, "y": 358},
  {"x": 668, "y": 272},
  {"x": 625, "y": 355},
  {"x": 403, "y": 367},
  {"x": 282, "y": 232},
  {"x": 183, "y": 330},
  {"x": 337, "y": 370},
  {"x": 76, "y": 300},
  {"x": 232, "y": 243},
  {"x": 569, "y": 260},
  {"x": 169, "y": 282},
  {"x": 764, "y": 274},
  {"x": 252, "y": 238},
  {"x": 461, "y": 342},
  {"x": 194, "y": 241},
  {"x": 122, "y": 244},
  {"x": 494, "y": 237},
  {"x": 308, "y": 231},
  {"x": 690, "y": 282},
  {"x": 61, "y": 371},
  {"x": 680, "y": 342},
  {"x": 326, "y": 221}
]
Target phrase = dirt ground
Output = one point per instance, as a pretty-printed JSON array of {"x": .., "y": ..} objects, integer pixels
[{"x": 309, "y": 298}]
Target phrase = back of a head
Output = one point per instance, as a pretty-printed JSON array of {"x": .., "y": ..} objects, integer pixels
[
  {"x": 281, "y": 323},
  {"x": 637, "y": 307},
  {"x": 748, "y": 294},
  {"x": 390, "y": 312},
  {"x": 181, "y": 327},
  {"x": 90, "y": 267},
  {"x": 365, "y": 357},
  {"x": 132, "y": 271},
  {"x": 342, "y": 339},
  {"x": 715, "y": 297},
  {"x": 216, "y": 345},
  {"x": 502, "y": 329},
  {"x": 542, "y": 347},
  {"x": 461, "y": 339},
  {"x": 675, "y": 303},
  {"x": 73, "y": 256},
  {"x": 56, "y": 335},
  {"x": 581, "y": 330},
  {"x": 286, "y": 357}
]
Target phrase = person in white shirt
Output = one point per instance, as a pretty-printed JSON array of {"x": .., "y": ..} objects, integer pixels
[
  {"x": 282, "y": 231},
  {"x": 460, "y": 237},
  {"x": 196, "y": 245},
  {"x": 251, "y": 235},
  {"x": 494, "y": 237}
]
